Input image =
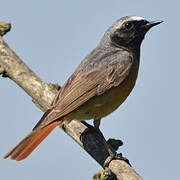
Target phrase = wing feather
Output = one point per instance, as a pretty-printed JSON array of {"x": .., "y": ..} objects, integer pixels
[{"x": 83, "y": 86}]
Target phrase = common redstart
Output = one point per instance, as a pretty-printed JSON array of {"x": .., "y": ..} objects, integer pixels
[{"x": 99, "y": 85}]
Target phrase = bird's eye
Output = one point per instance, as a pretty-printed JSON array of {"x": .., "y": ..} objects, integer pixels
[{"x": 129, "y": 25}]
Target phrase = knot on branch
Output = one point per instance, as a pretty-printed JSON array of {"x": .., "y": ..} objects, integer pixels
[
  {"x": 3, "y": 72},
  {"x": 115, "y": 143},
  {"x": 4, "y": 28},
  {"x": 54, "y": 86}
]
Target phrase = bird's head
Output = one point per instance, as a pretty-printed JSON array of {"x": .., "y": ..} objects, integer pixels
[{"x": 128, "y": 31}]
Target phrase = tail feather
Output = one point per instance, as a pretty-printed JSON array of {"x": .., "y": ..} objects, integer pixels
[{"x": 25, "y": 147}]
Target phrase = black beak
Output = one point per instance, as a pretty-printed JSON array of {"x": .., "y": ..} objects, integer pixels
[{"x": 151, "y": 24}]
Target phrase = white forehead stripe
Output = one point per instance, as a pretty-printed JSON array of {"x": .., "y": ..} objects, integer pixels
[{"x": 137, "y": 18}]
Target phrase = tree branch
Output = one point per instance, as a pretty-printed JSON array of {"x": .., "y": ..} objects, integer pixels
[{"x": 42, "y": 94}]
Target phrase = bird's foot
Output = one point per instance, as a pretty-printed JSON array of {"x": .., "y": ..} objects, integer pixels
[{"x": 115, "y": 157}]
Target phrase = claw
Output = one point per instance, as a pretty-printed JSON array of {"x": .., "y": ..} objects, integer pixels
[{"x": 115, "y": 157}]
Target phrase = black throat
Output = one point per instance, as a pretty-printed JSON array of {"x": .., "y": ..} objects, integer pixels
[{"x": 133, "y": 45}]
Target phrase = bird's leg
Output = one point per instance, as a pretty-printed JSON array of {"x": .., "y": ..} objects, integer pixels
[
  {"x": 96, "y": 129},
  {"x": 110, "y": 150},
  {"x": 88, "y": 125}
]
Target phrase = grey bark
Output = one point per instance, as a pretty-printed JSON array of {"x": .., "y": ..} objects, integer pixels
[{"x": 42, "y": 94}]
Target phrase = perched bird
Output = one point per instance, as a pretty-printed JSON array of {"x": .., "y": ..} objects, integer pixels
[{"x": 99, "y": 85}]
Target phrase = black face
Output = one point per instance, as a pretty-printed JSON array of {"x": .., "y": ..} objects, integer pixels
[{"x": 130, "y": 34}]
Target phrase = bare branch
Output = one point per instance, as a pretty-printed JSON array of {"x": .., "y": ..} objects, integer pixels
[{"x": 43, "y": 94}]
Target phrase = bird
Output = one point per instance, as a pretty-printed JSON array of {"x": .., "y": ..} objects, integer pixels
[{"x": 98, "y": 86}]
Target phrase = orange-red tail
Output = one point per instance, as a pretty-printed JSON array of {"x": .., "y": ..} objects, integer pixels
[{"x": 30, "y": 142}]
